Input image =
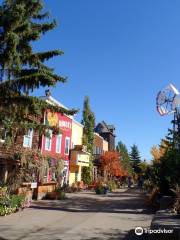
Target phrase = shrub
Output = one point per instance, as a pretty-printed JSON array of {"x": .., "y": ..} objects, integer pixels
[
  {"x": 148, "y": 185},
  {"x": 177, "y": 203},
  {"x": 154, "y": 198},
  {"x": 111, "y": 185},
  {"x": 10, "y": 204},
  {"x": 3, "y": 191},
  {"x": 99, "y": 189},
  {"x": 17, "y": 201},
  {"x": 6, "y": 210},
  {"x": 61, "y": 195}
]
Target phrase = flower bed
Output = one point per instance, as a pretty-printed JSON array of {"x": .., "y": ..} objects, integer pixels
[
  {"x": 104, "y": 187},
  {"x": 10, "y": 203}
]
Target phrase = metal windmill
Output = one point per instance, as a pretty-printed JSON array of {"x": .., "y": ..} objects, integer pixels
[{"x": 168, "y": 102}]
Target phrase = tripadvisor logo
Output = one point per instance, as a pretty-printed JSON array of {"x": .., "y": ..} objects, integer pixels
[{"x": 138, "y": 230}]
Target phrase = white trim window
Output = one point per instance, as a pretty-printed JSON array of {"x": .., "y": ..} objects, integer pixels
[
  {"x": 94, "y": 149},
  {"x": 3, "y": 135},
  {"x": 48, "y": 141},
  {"x": 27, "y": 142},
  {"x": 67, "y": 145},
  {"x": 58, "y": 143}
]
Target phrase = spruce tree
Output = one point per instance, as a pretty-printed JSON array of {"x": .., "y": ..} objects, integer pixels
[
  {"x": 135, "y": 158},
  {"x": 173, "y": 137},
  {"x": 169, "y": 163},
  {"x": 124, "y": 156},
  {"x": 22, "y": 70},
  {"x": 88, "y": 138}
]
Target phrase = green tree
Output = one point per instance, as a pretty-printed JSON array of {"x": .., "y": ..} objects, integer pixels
[
  {"x": 88, "y": 137},
  {"x": 22, "y": 70},
  {"x": 164, "y": 173},
  {"x": 170, "y": 162},
  {"x": 135, "y": 158},
  {"x": 89, "y": 123},
  {"x": 143, "y": 167},
  {"x": 124, "y": 157}
]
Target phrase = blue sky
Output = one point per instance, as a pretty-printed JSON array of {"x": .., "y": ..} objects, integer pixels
[{"x": 120, "y": 53}]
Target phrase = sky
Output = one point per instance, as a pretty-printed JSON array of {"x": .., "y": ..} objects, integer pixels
[{"x": 120, "y": 53}]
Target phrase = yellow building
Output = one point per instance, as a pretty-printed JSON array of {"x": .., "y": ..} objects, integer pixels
[{"x": 79, "y": 157}]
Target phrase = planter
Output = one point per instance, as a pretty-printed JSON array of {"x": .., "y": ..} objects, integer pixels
[
  {"x": 60, "y": 195},
  {"x": 100, "y": 190},
  {"x": 51, "y": 196}
]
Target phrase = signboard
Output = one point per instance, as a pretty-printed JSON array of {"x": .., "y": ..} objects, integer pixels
[
  {"x": 52, "y": 119},
  {"x": 64, "y": 124},
  {"x": 34, "y": 185}
]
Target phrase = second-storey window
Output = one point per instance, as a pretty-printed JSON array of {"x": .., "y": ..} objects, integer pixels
[
  {"x": 67, "y": 144},
  {"x": 27, "y": 142},
  {"x": 58, "y": 143},
  {"x": 48, "y": 141},
  {"x": 3, "y": 134}
]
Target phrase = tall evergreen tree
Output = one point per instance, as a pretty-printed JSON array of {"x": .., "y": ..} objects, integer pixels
[
  {"x": 170, "y": 162},
  {"x": 124, "y": 156},
  {"x": 89, "y": 124},
  {"x": 135, "y": 158},
  {"x": 173, "y": 137},
  {"x": 22, "y": 70},
  {"x": 88, "y": 138}
]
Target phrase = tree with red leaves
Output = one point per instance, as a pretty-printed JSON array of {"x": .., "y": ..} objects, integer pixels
[{"x": 111, "y": 165}]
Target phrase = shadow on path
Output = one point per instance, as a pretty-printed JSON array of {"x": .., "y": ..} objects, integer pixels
[{"x": 129, "y": 202}]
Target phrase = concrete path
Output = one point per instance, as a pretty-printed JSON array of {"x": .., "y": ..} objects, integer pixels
[{"x": 84, "y": 216}]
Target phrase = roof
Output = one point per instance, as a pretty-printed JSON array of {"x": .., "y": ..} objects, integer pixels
[
  {"x": 102, "y": 127},
  {"x": 78, "y": 123},
  {"x": 53, "y": 101}
]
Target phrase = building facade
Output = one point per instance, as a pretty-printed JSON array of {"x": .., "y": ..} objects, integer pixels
[
  {"x": 107, "y": 132},
  {"x": 58, "y": 145},
  {"x": 100, "y": 146},
  {"x": 65, "y": 145},
  {"x": 79, "y": 157},
  {"x": 10, "y": 155}
]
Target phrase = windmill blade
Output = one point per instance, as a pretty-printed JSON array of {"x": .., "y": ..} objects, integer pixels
[
  {"x": 173, "y": 89},
  {"x": 161, "y": 111},
  {"x": 166, "y": 100}
]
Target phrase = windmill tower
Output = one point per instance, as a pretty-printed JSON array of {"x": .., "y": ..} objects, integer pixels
[{"x": 168, "y": 102}]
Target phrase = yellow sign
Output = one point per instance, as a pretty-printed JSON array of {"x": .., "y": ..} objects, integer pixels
[{"x": 52, "y": 119}]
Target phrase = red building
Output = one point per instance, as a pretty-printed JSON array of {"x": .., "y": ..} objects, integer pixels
[{"x": 59, "y": 144}]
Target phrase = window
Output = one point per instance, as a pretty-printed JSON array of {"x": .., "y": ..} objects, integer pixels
[
  {"x": 58, "y": 143},
  {"x": 76, "y": 176},
  {"x": 3, "y": 134},
  {"x": 67, "y": 143},
  {"x": 48, "y": 141},
  {"x": 94, "y": 150},
  {"x": 97, "y": 150},
  {"x": 28, "y": 139}
]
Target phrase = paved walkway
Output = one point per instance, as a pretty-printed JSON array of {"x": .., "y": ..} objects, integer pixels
[{"x": 84, "y": 216}]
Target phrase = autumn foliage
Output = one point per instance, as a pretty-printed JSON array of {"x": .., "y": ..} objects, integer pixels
[
  {"x": 158, "y": 151},
  {"x": 111, "y": 165}
]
